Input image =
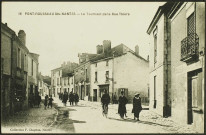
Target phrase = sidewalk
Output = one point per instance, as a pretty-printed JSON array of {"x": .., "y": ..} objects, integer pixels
[{"x": 32, "y": 120}]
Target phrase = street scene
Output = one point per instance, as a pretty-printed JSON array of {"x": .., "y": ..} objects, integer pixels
[{"x": 103, "y": 67}]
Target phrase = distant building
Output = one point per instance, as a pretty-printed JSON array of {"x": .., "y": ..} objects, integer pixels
[
  {"x": 62, "y": 78},
  {"x": 177, "y": 62},
  {"x": 44, "y": 85},
  {"x": 82, "y": 76},
  {"x": 119, "y": 69}
]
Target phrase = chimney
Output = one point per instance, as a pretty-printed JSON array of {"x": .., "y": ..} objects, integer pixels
[
  {"x": 137, "y": 50},
  {"x": 99, "y": 49},
  {"x": 22, "y": 36},
  {"x": 106, "y": 46}
]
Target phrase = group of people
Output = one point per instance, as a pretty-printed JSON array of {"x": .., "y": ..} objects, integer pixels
[
  {"x": 34, "y": 100},
  {"x": 48, "y": 101},
  {"x": 72, "y": 97},
  {"x": 137, "y": 107}
]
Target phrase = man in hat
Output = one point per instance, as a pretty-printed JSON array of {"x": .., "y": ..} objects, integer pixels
[{"x": 137, "y": 107}]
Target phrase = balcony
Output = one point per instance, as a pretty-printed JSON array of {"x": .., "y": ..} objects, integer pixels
[{"x": 190, "y": 48}]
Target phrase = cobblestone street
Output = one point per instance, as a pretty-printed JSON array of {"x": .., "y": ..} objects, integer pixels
[{"x": 87, "y": 118}]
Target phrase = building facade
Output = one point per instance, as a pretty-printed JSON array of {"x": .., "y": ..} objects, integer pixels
[
  {"x": 15, "y": 68},
  {"x": 188, "y": 63},
  {"x": 160, "y": 62},
  {"x": 33, "y": 71},
  {"x": 177, "y": 34},
  {"x": 62, "y": 78},
  {"x": 111, "y": 71}
]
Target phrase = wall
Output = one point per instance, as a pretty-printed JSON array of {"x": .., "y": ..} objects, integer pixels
[
  {"x": 5, "y": 81},
  {"x": 101, "y": 79},
  {"x": 133, "y": 73},
  {"x": 157, "y": 69},
  {"x": 179, "y": 70}
]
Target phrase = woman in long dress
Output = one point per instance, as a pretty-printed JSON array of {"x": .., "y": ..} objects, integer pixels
[
  {"x": 137, "y": 107},
  {"x": 122, "y": 105}
]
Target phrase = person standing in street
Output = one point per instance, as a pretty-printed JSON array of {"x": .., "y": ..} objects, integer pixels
[
  {"x": 45, "y": 101},
  {"x": 137, "y": 107},
  {"x": 50, "y": 101},
  {"x": 39, "y": 99},
  {"x": 71, "y": 98},
  {"x": 76, "y": 98},
  {"x": 65, "y": 98},
  {"x": 122, "y": 105}
]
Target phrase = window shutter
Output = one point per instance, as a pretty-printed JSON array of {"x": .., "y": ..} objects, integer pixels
[{"x": 191, "y": 24}]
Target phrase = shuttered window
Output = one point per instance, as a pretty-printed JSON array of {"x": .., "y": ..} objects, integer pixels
[{"x": 191, "y": 24}]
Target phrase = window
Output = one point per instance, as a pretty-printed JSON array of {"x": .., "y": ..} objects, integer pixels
[
  {"x": 107, "y": 75},
  {"x": 19, "y": 58},
  {"x": 68, "y": 80},
  {"x": 95, "y": 76},
  {"x": 60, "y": 81},
  {"x": 32, "y": 67},
  {"x": 107, "y": 63},
  {"x": 96, "y": 65},
  {"x": 59, "y": 72},
  {"x": 154, "y": 92},
  {"x": 25, "y": 62},
  {"x": 57, "y": 81},
  {"x": 72, "y": 80},
  {"x": 191, "y": 24},
  {"x": 155, "y": 48}
]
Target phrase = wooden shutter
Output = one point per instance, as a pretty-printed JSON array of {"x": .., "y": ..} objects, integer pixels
[{"x": 191, "y": 24}]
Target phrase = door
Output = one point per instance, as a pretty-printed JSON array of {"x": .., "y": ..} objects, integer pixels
[
  {"x": 94, "y": 94},
  {"x": 194, "y": 93}
]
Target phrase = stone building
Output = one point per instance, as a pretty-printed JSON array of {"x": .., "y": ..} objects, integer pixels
[
  {"x": 177, "y": 34},
  {"x": 15, "y": 68},
  {"x": 119, "y": 69},
  {"x": 44, "y": 83},
  {"x": 188, "y": 62},
  {"x": 160, "y": 62},
  {"x": 82, "y": 76},
  {"x": 62, "y": 78},
  {"x": 33, "y": 69}
]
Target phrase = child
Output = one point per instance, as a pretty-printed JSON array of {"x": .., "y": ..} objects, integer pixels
[{"x": 50, "y": 101}]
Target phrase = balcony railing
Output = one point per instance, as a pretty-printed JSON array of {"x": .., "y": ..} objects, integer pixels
[{"x": 190, "y": 48}]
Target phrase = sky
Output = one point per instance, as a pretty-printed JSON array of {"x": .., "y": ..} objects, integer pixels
[{"x": 59, "y": 37}]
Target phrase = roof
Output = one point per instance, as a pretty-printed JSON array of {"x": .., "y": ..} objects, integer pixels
[
  {"x": 162, "y": 9},
  {"x": 117, "y": 51},
  {"x": 4, "y": 26},
  {"x": 16, "y": 38},
  {"x": 174, "y": 9}
]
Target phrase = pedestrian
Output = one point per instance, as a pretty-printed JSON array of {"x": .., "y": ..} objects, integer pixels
[
  {"x": 45, "y": 101},
  {"x": 31, "y": 100},
  {"x": 71, "y": 98},
  {"x": 122, "y": 105},
  {"x": 38, "y": 100},
  {"x": 50, "y": 101},
  {"x": 76, "y": 98},
  {"x": 137, "y": 107},
  {"x": 65, "y": 98}
]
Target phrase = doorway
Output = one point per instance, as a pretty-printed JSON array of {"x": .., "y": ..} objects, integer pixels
[
  {"x": 194, "y": 93},
  {"x": 94, "y": 94}
]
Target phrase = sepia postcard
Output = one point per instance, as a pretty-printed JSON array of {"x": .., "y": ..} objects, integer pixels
[{"x": 102, "y": 67}]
